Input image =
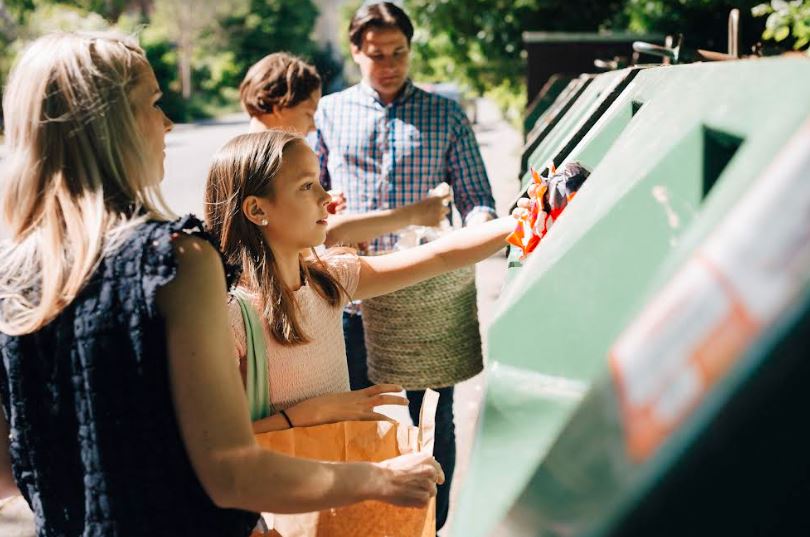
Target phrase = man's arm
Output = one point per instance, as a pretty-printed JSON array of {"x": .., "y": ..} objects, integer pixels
[{"x": 468, "y": 175}]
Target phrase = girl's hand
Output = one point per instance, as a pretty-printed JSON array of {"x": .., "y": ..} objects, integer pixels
[
  {"x": 357, "y": 405},
  {"x": 338, "y": 203},
  {"x": 409, "y": 480},
  {"x": 523, "y": 206},
  {"x": 429, "y": 211}
]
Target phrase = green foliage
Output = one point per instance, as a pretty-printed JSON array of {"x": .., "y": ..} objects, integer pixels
[
  {"x": 481, "y": 45},
  {"x": 347, "y": 11},
  {"x": 162, "y": 56},
  {"x": 110, "y": 10},
  {"x": 264, "y": 26},
  {"x": 476, "y": 43},
  {"x": 217, "y": 39},
  {"x": 704, "y": 23},
  {"x": 40, "y": 18},
  {"x": 786, "y": 20},
  {"x": 511, "y": 99},
  {"x": 17, "y": 8},
  {"x": 48, "y": 18}
]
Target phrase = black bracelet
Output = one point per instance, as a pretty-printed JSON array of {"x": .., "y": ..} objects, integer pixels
[{"x": 286, "y": 417}]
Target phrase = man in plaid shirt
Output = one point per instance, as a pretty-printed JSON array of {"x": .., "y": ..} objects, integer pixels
[{"x": 385, "y": 143}]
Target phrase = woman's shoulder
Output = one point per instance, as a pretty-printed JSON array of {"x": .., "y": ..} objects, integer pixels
[
  {"x": 162, "y": 235},
  {"x": 158, "y": 251},
  {"x": 184, "y": 239},
  {"x": 154, "y": 238}
]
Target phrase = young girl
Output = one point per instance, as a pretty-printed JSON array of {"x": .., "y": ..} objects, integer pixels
[
  {"x": 265, "y": 206},
  {"x": 282, "y": 92},
  {"x": 119, "y": 415}
]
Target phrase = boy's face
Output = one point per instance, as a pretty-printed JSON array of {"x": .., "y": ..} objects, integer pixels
[{"x": 384, "y": 60}]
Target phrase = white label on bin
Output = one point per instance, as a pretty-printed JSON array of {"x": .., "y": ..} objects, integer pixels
[{"x": 745, "y": 274}]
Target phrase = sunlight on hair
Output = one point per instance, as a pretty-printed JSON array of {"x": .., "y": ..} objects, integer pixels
[{"x": 75, "y": 180}]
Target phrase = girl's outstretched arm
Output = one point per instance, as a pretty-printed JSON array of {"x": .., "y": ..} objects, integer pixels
[
  {"x": 212, "y": 413},
  {"x": 388, "y": 273},
  {"x": 355, "y": 228}
]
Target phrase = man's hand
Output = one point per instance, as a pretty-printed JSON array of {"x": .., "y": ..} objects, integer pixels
[
  {"x": 429, "y": 211},
  {"x": 338, "y": 203},
  {"x": 479, "y": 218}
]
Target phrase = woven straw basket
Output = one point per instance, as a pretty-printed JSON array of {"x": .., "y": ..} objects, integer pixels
[{"x": 425, "y": 336}]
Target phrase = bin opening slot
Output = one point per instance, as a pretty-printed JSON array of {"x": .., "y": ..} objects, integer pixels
[
  {"x": 605, "y": 102},
  {"x": 718, "y": 149},
  {"x": 600, "y": 145}
]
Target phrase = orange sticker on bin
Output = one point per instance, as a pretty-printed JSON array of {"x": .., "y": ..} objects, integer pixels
[
  {"x": 682, "y": 344},
  {"x": 734, "y": 288}
]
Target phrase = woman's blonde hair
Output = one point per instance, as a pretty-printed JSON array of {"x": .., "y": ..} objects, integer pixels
[
  {"x": 244, "y": 167},
  {"x": 76, "y": 178}
]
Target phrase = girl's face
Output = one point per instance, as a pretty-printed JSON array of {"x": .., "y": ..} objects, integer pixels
[
  {"x": 296, "y": 212},
  {"x": 150, "y": 119},
  {"x": 299, "y": 118}
]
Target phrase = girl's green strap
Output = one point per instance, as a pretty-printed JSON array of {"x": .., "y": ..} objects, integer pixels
[{"x": 258, "y": 388}]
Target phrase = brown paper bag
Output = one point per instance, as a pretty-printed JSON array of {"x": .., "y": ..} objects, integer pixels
[{"x": 352, "y": 441}]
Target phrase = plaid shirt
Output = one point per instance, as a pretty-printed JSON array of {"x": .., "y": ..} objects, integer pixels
[{"x": 386, "y": 156}]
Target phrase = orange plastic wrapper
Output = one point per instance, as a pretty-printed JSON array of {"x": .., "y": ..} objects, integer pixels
[
  {"x": 532, "y": 226},
  {"x": 548, "y": 198}
]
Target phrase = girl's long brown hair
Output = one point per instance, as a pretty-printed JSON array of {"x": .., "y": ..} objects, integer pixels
[{"x": 244, "y": 167}]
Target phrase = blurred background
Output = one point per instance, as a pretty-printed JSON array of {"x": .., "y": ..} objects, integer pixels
[
  {"x": 201, "y": 48},
  {"x": 524, "y": 69}
]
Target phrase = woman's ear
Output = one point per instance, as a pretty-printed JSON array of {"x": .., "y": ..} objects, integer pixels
[{"x": 254, "y": 211}]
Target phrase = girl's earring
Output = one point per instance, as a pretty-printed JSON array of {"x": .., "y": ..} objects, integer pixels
[{"x": 264, "y": 222}]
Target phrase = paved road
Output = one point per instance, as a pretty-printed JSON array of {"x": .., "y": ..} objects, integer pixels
[
  {"x": 189, "y": 149},
  {"x": 500, "y": 147},
  {"x": 188, "y": 153}
]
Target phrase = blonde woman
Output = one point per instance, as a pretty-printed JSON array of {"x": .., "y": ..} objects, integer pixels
[{"x": 120, "y": 416}]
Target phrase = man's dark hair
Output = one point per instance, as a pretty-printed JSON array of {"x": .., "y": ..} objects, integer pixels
[{"x": 382, "y": 15}]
